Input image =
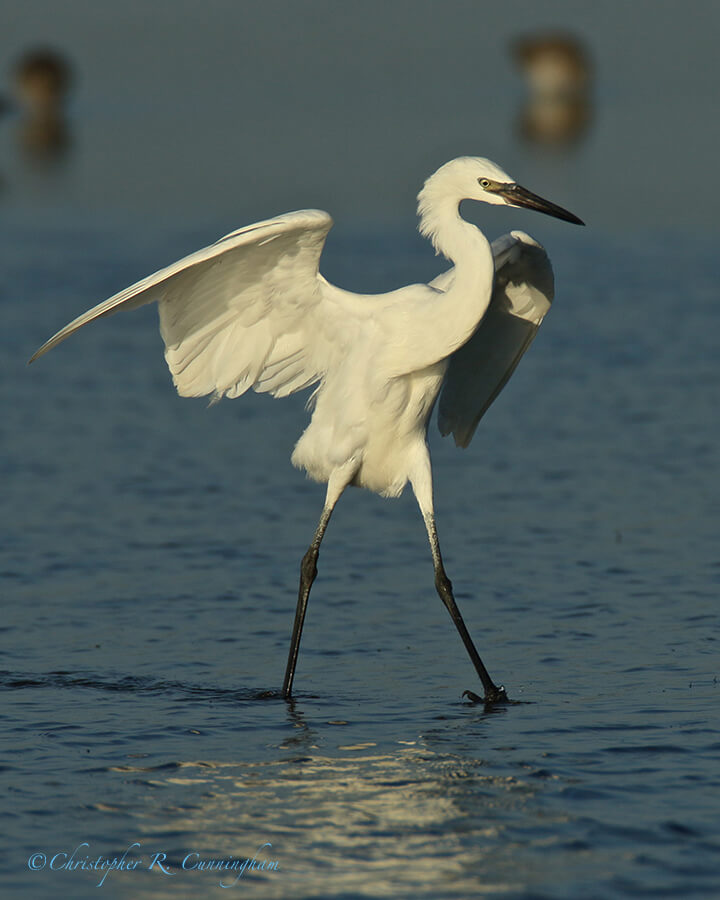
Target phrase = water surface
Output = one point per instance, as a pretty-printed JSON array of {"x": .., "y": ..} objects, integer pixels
[{"x": 148, "y": 568}]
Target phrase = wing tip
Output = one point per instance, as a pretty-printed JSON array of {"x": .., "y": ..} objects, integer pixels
[
  {"x": 461, "y": 436},
  {"x": 41, "y": 351},
  {"x": 52, "y": 342}
]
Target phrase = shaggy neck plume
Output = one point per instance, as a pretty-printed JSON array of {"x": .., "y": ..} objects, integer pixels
[
  {"x": 468, "y": 295},
  {"x": 440, "y": 219}
]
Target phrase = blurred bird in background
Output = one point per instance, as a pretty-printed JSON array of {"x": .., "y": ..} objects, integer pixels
[
  {"x": 558, "y": 71},
  {"x": 42, "y": 78}
]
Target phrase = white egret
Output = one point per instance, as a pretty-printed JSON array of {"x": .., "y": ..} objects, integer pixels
[{"x": 253, "y": 311}]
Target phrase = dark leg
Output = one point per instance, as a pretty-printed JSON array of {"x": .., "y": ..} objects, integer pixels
[
  {"x": 308, "y": 571},
  {"x": 493, "y": 693},
  {"x": 337, "y": 483}
]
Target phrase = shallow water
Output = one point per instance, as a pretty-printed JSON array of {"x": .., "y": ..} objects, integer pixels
[{"x": 148, "y": 568}]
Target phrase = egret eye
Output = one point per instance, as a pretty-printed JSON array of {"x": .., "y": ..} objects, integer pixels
[{"x": 484, "y": 183}]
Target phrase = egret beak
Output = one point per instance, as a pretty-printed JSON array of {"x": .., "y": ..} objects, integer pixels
[{"x": 516, "y": 195}]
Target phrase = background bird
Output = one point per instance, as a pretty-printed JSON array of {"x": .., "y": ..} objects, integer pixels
[
  {"x": 42, "y": 80},
  {"x": 558, "y": 71},
  {"x": 253, "y": 311}
]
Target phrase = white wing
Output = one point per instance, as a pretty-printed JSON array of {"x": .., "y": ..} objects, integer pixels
[
  {"x": 478, "y": 371},
  {"x": 247, "y": 311}
]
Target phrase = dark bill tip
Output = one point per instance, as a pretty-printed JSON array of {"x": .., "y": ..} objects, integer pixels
[{"x": 522, "y": 197}]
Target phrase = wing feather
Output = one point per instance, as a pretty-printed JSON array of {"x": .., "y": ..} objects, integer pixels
[
  {"x": 478, "y": 371},
  {"x": 249, "y": 310}
]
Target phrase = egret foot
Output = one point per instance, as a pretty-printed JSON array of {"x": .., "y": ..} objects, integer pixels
[{"x": 494, "y": 695}]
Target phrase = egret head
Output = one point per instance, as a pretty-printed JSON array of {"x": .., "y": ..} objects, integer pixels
[
  {"x": 507, "y": 192},
  {"x": 476, "y": 178}
]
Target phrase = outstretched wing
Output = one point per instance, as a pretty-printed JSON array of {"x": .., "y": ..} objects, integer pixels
[
  {"x": 247, "y": 311},
  {"x": 478, "y": 371}
]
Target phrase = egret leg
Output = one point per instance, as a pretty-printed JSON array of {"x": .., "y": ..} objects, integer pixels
[
  {"x": 308, "y": 570},
  {"x": 493, "y": 693},
  {"x": 421, "y": 480}
]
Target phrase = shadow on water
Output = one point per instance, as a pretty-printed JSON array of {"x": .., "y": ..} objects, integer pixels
[
  {"x": 132, "y": 685},
  {"x": 140, "y": 686},
  {"x": 148, "y": 686}
]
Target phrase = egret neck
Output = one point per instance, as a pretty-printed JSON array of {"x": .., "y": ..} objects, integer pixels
[{"x": 460, "y": 308}]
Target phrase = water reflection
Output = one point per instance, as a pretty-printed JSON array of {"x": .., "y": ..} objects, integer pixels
[
  {"x": 557, "y": 68},
  {"x": 402, "y": 818},
  {"x": 42, "y": 79}
]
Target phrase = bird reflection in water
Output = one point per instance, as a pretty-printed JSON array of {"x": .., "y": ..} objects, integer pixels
[
  {"x": 558, "y": 71},
  {"x": 42, "y": 78}
]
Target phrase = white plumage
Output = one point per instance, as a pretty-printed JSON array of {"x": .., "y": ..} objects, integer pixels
[{"x": 253, "y": 311}]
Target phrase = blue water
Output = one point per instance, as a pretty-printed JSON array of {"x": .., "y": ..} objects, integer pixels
[{"x": 148, "y": 568}]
